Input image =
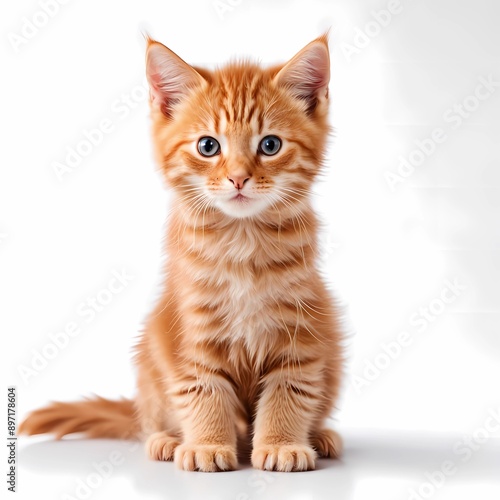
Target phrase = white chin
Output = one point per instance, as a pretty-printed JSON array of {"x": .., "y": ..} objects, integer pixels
[{"x": 240, "y": 209}]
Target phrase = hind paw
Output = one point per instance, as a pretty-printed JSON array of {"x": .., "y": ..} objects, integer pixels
[
  {"x": 161, "y": 446},
  {"x": 327, "y": 443}
]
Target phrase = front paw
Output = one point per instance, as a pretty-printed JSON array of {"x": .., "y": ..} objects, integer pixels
[
  {"x": 283, "y": 458},
  {"x": 205, "y": 457}
]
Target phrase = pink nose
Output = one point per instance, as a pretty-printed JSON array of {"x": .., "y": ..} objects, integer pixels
[{"x": 238, "y": 180}]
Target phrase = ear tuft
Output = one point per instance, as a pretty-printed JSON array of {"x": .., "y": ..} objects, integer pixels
[
  {"x": 307, "y": 74},
  {"x": 170, "y": 78}
]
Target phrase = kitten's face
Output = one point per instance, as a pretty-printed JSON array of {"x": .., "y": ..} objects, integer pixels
[{"x": 241, "y": 140}]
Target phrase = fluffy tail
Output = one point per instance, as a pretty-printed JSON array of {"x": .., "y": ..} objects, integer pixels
[{"x": 95, "y": 417}]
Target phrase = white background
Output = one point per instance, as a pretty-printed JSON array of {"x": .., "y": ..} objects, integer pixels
[{"x": 387, "y": 252}]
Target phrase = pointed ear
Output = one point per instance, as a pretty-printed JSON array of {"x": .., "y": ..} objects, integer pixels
[
  {"x": 170, "y": 78},
  {"x": 307, "y": 74}
]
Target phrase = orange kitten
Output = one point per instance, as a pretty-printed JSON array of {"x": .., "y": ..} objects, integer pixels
[{"x": 245, "y": 341}]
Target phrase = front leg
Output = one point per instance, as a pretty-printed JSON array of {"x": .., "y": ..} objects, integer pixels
[
  {"x": 207, "y": 409},
  {"x": 286, "y": 411}
]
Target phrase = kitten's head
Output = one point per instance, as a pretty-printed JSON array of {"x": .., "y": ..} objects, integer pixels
[{"x": 241, "y": 140}]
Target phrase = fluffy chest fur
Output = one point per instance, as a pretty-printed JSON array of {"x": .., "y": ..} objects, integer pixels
[{"x": 243, "y": 285}]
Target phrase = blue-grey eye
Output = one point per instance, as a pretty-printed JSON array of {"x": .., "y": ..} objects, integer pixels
[
  {"x": 270, "y": 145},
  {"x": 208, "y": 146}
]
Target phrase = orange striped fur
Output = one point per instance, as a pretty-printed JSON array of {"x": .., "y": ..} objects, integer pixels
[{"x": 245, "y": 343}]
